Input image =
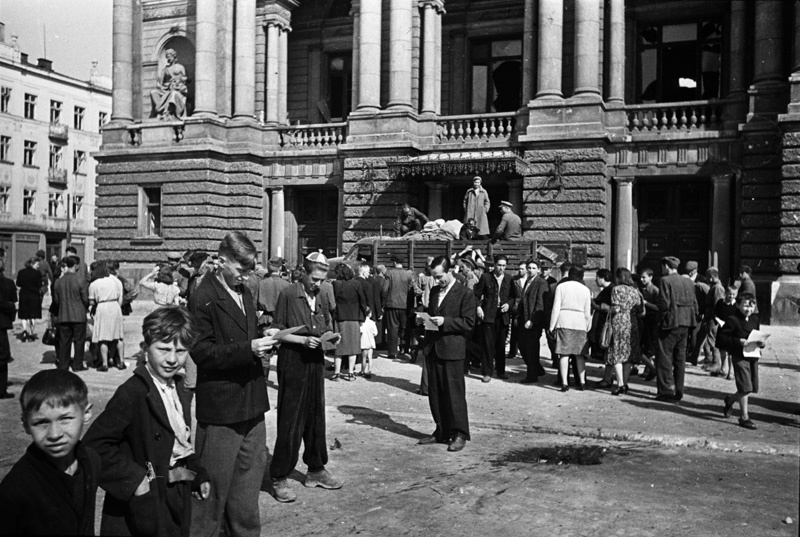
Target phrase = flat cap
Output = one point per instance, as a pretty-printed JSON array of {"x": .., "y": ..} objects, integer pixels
[
  {"x": 174, "y": 256},
  {"x": 671, "y": 262},
  {"x": 691, "y": 265}
]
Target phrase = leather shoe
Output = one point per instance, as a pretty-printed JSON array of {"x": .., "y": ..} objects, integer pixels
[
  {"x": 77, "y": 369},
  {"x": 427, "y": 440},
  {"x": 458, "y": 443},
  {"x": 529, "y": 380},
  {"x": 667, "y": 397},
  {"x": 487, "y": 378}
]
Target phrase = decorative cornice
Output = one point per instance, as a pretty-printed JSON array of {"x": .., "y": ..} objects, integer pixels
[
  {"x": 155, "y": 12},
  {"x": 459, "y": 163}
]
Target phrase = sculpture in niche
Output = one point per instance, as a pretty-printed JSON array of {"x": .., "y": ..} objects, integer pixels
[{"x": 169, "y": 97}]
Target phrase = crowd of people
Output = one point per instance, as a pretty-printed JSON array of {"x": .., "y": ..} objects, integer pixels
[{"x": 221, "y": 317}]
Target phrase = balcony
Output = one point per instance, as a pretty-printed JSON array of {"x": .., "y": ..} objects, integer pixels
[
  {"x": 57, "y": 176},
  {"x": 60, "y": 132},
  {"x": 315, "y": 136},
  {"x": 475, "y": 128},
  {"x": 682, "y": 117}
]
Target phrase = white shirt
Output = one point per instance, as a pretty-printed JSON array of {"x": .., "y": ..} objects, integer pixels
[
  {"x": 182, "y": 447},
  {"x": 237, "y": 297},
  {"x": 444, "y": 292}
]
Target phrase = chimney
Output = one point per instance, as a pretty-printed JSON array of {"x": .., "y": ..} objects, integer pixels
[
  {"x": 45, "y": 64},
  {"x": 23, "y": 58}
]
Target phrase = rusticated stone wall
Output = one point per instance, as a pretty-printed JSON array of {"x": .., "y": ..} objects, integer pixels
[
  {"x": 202, "y": 199},
  {"x": 565, "y": 198},
  {"x": 790, "y": 203}
]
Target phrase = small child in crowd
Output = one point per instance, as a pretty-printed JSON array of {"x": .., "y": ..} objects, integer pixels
[
  {"x": 732, "y": 337},
  {"x": 150, "y": 469},
  {"x": 722, "y": 310},
  {"x": 51, "y": 490},
  {"x": 368, "y": 332}
]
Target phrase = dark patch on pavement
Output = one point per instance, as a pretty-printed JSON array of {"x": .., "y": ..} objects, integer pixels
[{"x": 566, "y": 454}]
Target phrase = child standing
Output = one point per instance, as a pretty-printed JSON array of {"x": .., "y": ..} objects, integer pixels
[
  {"x": 722, "y": 310},
  {"x": 150, "y": 470},
  {"x": 368, "y": 332},
  {"x": 732, "y": 337},
  {"x": 51, "y": 490}
]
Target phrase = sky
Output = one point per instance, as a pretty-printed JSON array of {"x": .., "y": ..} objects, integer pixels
[{"x": 76, "y": 31}]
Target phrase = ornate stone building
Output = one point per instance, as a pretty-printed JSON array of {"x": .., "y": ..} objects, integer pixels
[{"x": 635, "y": 128}]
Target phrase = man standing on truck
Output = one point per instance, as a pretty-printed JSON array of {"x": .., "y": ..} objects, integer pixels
[
  {"x": 409, "y": 219},
  {"x": 400, "y": 282},
  {"x": 510, "y": 227},
  {"x": 476, "y": 205}
]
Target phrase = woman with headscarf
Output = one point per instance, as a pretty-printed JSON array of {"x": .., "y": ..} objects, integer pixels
[{"x": 29, "y": 281}]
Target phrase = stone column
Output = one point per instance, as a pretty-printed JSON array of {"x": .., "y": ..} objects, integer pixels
[
  {"x": 273, "y": 68},
  {"x": 245, "y": 60},
  {"x": 794, "y": 79},
  {"x": 277, "y": 246},
  {"x": 721, "y": 224},
  {"x": 737, "y": 50},
  {"x": 283, "y": 73},
  {"x": 623, "y": 232},
  {"x": 768, "y": 55},
  {"x": 528, "y": 59},
  {"x": 434, "y": 199},
  {"x": 430, "y": 34},
  {"x": 400, "y": 54},
  {"x": 587, "y": 49},
  {"x": 205, "y": 87},
  {"x": 369, "y": 56},
  {"x": 551, "y": 25},
  {"x": 355, "y": 12},
  {"x": 616, "y": 56},
  {"x": 122, "y": 50},
  {"x": 437, "y": 81},
  {"x": 515, "y": 196}
]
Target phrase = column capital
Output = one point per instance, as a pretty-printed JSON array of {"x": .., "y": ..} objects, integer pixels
[
  {"x": 621, "y": 181},
  {"x": 438, "y": 5},
  {"x": 275, "y": 189},
  {"x": 278, "y": 12},
  {"x": 281, "y": 24},
  {"x": 722, "y": 179}
]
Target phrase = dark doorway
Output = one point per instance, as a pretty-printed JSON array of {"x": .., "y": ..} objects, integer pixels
[
  {"x": 317, "y": 221},
  {"x": 673, "y": 220},
  {"x": 453, "y": 200}
]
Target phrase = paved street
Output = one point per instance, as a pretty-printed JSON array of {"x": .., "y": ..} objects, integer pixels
[{"x": 666, "y": 469}]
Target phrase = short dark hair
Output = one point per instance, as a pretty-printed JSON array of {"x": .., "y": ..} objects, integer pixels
[
  {"x": 30, "y": 261},
  {"x": 749, "y": 297},
  {"x": 165, "y": 275},
  {"x": 170, "y": 323},
  {"x": 442, "y": 261},
  {"x": 55, "y": 387},
  {"x": 605, "y": 274},
  {"x": 647, "y": 271},
  {"x": 71, "y": 250},
  {"x": 238, "y": 247},
  {"x": 745, "y": 268},
  {"x": 624, "y": 277},
  {"x": 343, "y": 272},
  {"x": 534, "y": 261},
  {"x": 575, "y": 273},
  {"x": 712, "y": 272},
  {"x": 498, "y": 257},
  {"x": 70, "y": 261},
  {"x": 297, "y": 274},
  {"x": 565, "y": 267}
]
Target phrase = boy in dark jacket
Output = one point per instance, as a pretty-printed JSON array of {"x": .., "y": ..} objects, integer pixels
[
  {"x": 150, "y": 469},
  {"x": 51, "y": 490}
]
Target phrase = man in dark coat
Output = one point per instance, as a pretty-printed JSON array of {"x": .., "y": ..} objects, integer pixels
[
  {"x": 8, "y": 312},
  {"x": 452, "y": 310},
  {"x": 409, "y": 219},
  {"x": 494, "y": 294},
  {"x": 400, "y": 283},
  {"x": 510, "y": 226},
  {"x": 70, "y": 302},
  {"x": 677, "y": 306},
  {"x": 532, "y": 319},
  {"x": 268, "y": 290},
  {"x": 231, "y": 393}
]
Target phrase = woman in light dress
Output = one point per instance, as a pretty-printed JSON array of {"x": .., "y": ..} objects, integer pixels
[
  {"x": 570, "y": 323},
  {"x": 105, "y": 299}
]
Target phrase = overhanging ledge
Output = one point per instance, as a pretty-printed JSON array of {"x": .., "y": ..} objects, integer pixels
[{"x": 459, "y": 163}]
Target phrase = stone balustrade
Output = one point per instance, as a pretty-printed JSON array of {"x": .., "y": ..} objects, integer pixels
[
  {"x": 320, "y": 135},
  {"x": 681, "y": 116},
  {"x": 475, "y": 128}
]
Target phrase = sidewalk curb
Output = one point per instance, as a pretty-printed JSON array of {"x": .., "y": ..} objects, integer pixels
[{"x": 694, "y": 442}]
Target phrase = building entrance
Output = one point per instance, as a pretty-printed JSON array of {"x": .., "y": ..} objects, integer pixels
[
  {"x": 453, "y": 202},
  {"x": 317, "y": 221},
  {"x": 674, "y": 220}
]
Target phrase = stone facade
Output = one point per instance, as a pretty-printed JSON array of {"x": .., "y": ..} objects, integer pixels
[{"x": 348, "y": 109}]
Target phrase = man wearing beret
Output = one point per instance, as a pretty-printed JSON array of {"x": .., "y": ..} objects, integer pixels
[{"x": 677, "y": 307}]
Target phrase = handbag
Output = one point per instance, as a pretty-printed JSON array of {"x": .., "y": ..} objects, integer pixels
[
  {"x": 606, "y": 333},
  {"x": 49, "y": 337}
]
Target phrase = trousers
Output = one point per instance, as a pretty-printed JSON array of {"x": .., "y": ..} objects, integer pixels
[
  {"x": 301, "y": 412},
  {"x": 671, "y": 360},
  {"x": 70, "y": 334},
  {"x": 395, "y": 328},
  {"x": 447, "y": 397},
  {"x": 235, "y": 456},
  {"x": 529, "y": 341},
  {"x": 493, "y": 341}
]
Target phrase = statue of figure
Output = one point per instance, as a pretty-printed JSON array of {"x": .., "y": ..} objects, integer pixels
[{"x": 169, "y": 97}]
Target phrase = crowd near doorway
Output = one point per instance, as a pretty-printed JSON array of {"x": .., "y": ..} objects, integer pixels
[{"x": 317, "y": 213}]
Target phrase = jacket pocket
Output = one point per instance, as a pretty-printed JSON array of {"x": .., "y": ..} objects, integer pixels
[{"x": 142, "y": 516}]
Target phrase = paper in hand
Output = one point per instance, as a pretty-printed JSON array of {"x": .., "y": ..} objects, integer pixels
[
  {"x": 429, "y": 325},
  {"x": 330, "y": 340},
  {"x": 751, "y": 348},
  {"x": 286, "y": 331}
]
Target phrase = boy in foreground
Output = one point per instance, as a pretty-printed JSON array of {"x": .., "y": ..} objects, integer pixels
[
  {"x": 51, "y": 490},
  {"x": 150, "y": 469}
]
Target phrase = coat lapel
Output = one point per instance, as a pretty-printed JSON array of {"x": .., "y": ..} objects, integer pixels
[
  {"x": 229, "y": 306},
  {"x": 154, "y": 400}
]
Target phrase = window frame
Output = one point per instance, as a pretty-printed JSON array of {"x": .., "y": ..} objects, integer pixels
[
  {"x": 102, "y": 119},
  {"x": 490, "y": 60},
  {"x": 56, "y": 157},
  {"x": 55, "y": 199},
  {"x": 29, "y": 111},
  {"x": 144, "y": 227},
  {"x": 5, "y": 148},
  {"x": 29, "y": 148},
  {"x": 56, "y": 111},
  {"x": 77, "y": 207},
  {"x": 5, "y": 197},
  {"x": 78, "y": 115},
  {"x": 28, "y": 195},
  {"x": 5, "y": 99}
]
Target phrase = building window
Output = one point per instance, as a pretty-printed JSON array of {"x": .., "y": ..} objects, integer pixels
[
  {"x": 29, "y": 153},
  {"x": 496, "y": 76},
  {"x": 340, "y": 86},
  {"x": 5, "y": 99},
  {"x": 55, "y": 205},
  {"x": 150, "y": 211},
  {"x": 679, "y": 62},
  {"x": 77, "y": 207},
  {"x": 55, "y": 111},
  {"x": 78, "y": 161},
  {"x": 5, "y": 148},
  {"x": 77, "y": 118},
  {"x": 5, "y": 194},
  {"x": 102, "y": 119},
  {"x": 30, "y": 106},
  {"x": 56, "y": 154},
  {"x": 28, "y": 202}
]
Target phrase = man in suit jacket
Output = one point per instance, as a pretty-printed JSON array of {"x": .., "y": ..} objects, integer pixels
[
  {"x": 532, "y": 319},
  {"x": 495, "y": 296},
  {"x": 518, "y": 282},
  {"x": 71, "y": 298},
  {"x": 231, "y": 393},
  {"x": 452, "y": 310},
  {"x": 400, "y": 284},
  {"x": 677, "y": 306}
]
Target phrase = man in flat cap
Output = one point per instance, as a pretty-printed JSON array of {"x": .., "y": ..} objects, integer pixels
[
  {"x": 180, "y": 277},
  {"x": 510, "y": 228},
  {"x": 677, "y": 306}
]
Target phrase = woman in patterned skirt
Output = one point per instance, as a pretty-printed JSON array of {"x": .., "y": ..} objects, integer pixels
[{"x": 626, "y": 306}]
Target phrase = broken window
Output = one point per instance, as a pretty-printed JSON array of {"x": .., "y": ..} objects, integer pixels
[{"x": 496, "y": 76}]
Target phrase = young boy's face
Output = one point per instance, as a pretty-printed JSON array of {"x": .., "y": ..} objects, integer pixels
[
  {"x": 730, "y": 296},
  {"x": 57, "y": 429},
  {"x": 747, "y": 307},
  {"x": 166, "y": 358},
  {"x": 646, "y": 278}
]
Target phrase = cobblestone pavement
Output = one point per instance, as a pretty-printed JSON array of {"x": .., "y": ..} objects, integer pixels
[{"x": 667, "y": 469}]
